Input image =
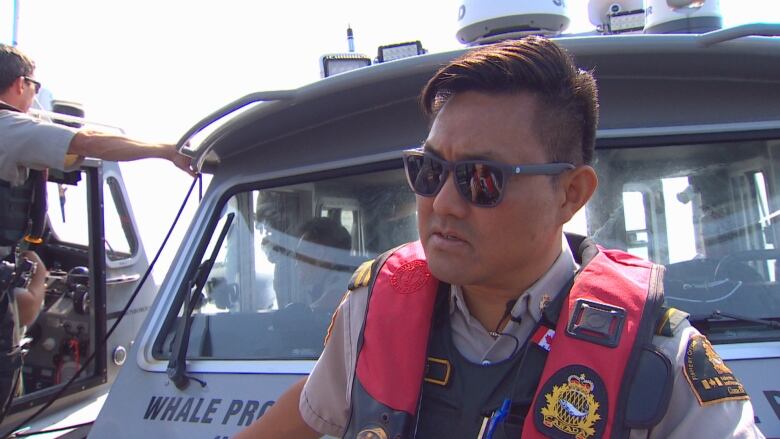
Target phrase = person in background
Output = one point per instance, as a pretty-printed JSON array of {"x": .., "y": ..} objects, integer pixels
[
  {"x": 28, "y": 148},
  {"x": 322, "y": 262}
]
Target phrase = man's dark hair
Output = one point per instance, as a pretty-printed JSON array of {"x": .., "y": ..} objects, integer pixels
[
  {"x": 566, "y": 96},
  {"x": 326, "y": 231},
  {"x": 13, "y": 64}
]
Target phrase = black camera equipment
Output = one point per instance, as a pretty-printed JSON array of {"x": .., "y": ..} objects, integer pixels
[{"x": 12, "y": 276}]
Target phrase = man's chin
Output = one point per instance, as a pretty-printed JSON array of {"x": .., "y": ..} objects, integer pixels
[{"x": 449, "y": 272}]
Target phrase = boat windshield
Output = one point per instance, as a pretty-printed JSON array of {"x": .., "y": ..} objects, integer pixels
[{"x": 707, "y": 211}]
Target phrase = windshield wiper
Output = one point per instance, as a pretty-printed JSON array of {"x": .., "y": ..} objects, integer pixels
[
  {"x": 719, "y": 315},
  {"x": 177, "y": 365}
]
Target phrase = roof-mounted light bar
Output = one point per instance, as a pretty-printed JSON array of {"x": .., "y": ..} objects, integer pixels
[
  {"x": 335, "y": 63},
  {"x": 392, "y": 52}
]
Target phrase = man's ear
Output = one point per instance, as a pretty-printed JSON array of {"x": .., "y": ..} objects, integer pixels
[
  {"x": 18, "y": 86},
  {"x": 576, "y": 187}
]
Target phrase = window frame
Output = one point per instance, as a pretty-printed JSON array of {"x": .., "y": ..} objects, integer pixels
[
  {"x": 171, "y": 315},
  {"x": 149, "y": 358},
  {"x": 97, "y": 288},
  {"x": 120, "y": 198}
]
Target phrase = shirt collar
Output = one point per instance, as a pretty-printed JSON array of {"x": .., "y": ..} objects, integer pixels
[{"x": 533, "y": 299}]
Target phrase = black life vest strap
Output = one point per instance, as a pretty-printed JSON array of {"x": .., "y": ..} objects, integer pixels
[
  {"x": 15, "y": 209},
  {"x": 479, "y": 389},
  {"x": 38, "y": 208},
  {"x": 647, "y": 386},
  {"x": 22, "y": 208}
]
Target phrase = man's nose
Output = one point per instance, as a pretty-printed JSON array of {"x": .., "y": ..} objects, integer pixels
[{"x": 449, "y": 201}]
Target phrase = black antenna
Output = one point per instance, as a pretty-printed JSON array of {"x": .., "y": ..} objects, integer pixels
[{"x": 350, "y": 38}]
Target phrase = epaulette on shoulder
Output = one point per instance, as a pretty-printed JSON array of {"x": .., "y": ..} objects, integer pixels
[
  {"x": 362, "y": 276},
  {"x": 669, "y": 320}
]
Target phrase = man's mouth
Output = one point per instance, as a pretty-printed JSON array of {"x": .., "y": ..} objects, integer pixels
[
  {"x": 449, "y": 236},
  {"x": 452, "y": 237}
]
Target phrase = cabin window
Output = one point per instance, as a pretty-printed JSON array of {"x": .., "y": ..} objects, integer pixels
[
  {"x": 708, "y": 212},
  {"x": 678, "y": 201},
  {"x": 67, "y": 209},
  {"x": 637, "y": 233},
  {"x": 286, "y": 261}
]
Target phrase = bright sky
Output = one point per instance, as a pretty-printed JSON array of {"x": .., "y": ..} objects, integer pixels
[{"x": 156, "y": 67}]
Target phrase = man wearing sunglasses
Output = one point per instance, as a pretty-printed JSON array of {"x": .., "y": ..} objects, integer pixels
[
  {"x": 28, "y": 147},
  {"x": 31, "y": 144},
  {"x": 496, "y": 324}
]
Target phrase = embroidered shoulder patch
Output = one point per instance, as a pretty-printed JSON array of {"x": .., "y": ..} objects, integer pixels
[
  {"x": 710, "y": 378},
  {"x": 572, "y": 404}
]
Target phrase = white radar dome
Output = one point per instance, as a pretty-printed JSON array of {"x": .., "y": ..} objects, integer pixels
[
  {"x": 682, "y": 16},
  {"x": 483, "y": 21}
]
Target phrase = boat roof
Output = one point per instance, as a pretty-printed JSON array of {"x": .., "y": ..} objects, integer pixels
[{"x": 365, "y": 102}]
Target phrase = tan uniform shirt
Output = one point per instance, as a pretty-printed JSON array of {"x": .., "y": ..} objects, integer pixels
[
  {"x": 326, "y": 397},
  {"x": 28, "y": 143}
]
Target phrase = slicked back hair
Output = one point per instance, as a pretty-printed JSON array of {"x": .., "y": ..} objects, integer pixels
[
  {"x": 13, "y": 64},
  {"x": 567, "y": 98}
]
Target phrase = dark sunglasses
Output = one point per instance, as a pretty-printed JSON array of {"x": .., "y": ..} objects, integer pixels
[
  {"x": 480, "y": 182},
  {"x": 35, "y": 83}
]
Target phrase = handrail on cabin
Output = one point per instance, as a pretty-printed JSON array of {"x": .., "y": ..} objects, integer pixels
[
  {"x": 744, "y": 30},
  {"x": 232, "y": 107}
]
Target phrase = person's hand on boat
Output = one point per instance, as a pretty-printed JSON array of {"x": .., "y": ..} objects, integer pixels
[{"x": 180, "y": 160}]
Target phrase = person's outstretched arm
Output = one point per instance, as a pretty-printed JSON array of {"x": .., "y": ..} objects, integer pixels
[
  {"x": 119, "y": 149},
  {"x": 283, "y": 420}
]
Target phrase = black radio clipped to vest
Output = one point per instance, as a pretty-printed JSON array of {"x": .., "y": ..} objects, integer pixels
[{"x": 596, "y": 322}]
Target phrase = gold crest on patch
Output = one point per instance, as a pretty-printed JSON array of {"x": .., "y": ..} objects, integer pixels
[
  {"x": 714, "y": 358},
  {"x": 372, "y": 433},
  {"x": 571, "y": 407}
]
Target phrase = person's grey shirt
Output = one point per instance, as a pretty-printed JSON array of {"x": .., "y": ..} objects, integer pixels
[{"x": 27, "y": 143}]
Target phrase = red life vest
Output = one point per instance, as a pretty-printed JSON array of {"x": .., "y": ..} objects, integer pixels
[{"x": 606, "y": 320}]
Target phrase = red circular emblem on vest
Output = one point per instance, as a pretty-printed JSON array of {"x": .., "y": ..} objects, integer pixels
[{"x": 410, "y": 277}]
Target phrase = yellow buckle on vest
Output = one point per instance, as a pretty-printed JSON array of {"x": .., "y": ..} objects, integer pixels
[
  {"x": 33, "y": 240},
  {"x": 442, "y": 381}
]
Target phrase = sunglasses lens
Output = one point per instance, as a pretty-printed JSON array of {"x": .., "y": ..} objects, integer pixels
[
  {"x": 425, "y": 174},
  {"x": 479, "y": 183}
]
